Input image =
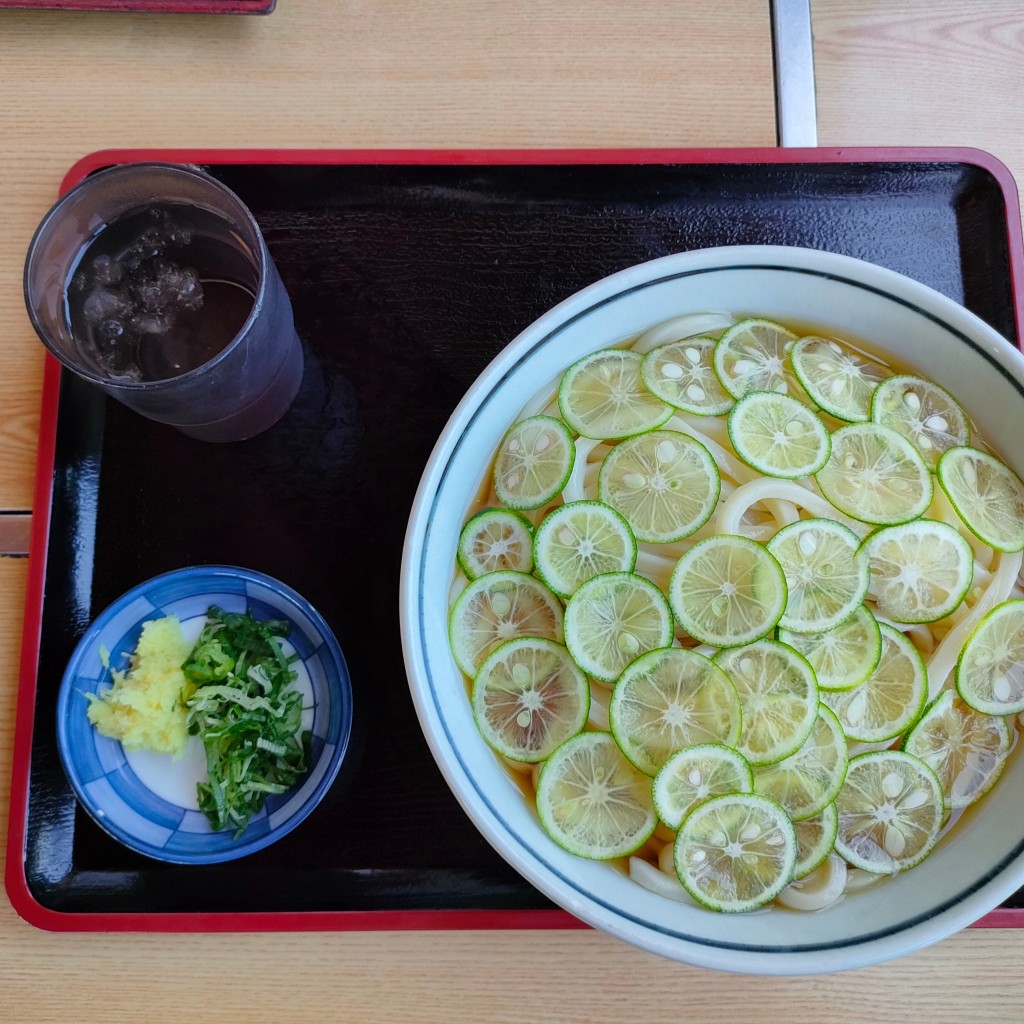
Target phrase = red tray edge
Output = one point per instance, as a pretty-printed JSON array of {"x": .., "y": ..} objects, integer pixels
[
  {"x": 147, "y": 6},
  {"x": 22, "y": 900}
]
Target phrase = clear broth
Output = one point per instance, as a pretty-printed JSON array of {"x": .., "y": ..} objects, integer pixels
[{"x": 522, "y": 779}]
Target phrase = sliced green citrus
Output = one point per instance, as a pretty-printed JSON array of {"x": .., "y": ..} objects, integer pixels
[
  {"x": 826, "y": 573},
  {"x": 592, "y": 801},
  {"x": 966, "y": 749},
  {"x": 844, "y": 656},
  {"x": 808, "y": 781},
  {"x": 603, "y": 396},
  {"x": 752, "y": 356},
  {"x": 876, "y": 475},
  {"x": 778, "y": 699},
  {"x": 920, "y": 571},
  {"x": 838, "y": 379},
  {"x": 529, "y": 697},
  {"x": 727, "y": 591},
  {"x": 925, "y": 414},
  {"x": 533, "y": 463},
  {"x": 694, "y": 775},
  {"x": 496, "y": 608},
  {"x": 669, "y": 699},
  {"x": 665, "y": 483},
  {"x": 494, "y": 539},
  {"x": 778, "y": 435},
  {"x": 815, "y": 839},
  {"x": 614, "y": 618},
  {"x": 990, "y": 669},
  {"x": 890, "y": 812},
  {"x": 579, "y": 541},
  {"x": 987, "y": 495},
  {"x": 890, "y": 699},
  {"x": 736, "y": 853},
  {"x": 682, "y": 373}
]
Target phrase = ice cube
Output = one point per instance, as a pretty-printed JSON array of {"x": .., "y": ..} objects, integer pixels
[
  {"x": 179, "y": 234},
  {"x": 190, "y": 290},
  {"x": 153, "y": 323},
  {"x": 110, "y": 330},
  {"x": 107, "y": 271},
  {"x": 167, "y": 289},
  {"x": 151, "y": 296},
  {"x": 149, "y": 245},
  {"x": 102, "y": 304}
]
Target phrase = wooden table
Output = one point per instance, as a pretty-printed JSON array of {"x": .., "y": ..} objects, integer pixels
[{"x": 479, "y": 73}]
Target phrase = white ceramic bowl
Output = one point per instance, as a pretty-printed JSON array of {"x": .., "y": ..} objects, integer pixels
[{"x": 974, "y": 868}]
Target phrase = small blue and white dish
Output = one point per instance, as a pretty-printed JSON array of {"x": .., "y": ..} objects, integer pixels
[{"x": 148, "y": 801}]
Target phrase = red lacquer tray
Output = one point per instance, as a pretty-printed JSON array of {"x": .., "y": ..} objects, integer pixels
[
  {"x": 149, "y": 6},
  {"x": 408, "y": 271}
]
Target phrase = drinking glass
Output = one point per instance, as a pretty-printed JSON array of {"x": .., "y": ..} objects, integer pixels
[{"x": 153, "y": 281}]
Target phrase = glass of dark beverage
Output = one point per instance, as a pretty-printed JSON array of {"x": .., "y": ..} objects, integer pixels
[{"x": 153, "y": 281}]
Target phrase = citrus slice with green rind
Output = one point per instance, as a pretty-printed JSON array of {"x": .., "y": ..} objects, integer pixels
[
  {"x": 682, "y": 373},
  {"x": 844, "y": 656},
  {"x": 696, "y": 774},
  {"x": 664, "y": 483},
  {"x": 925, "y": 414},
  {"x": 727, "y": 591},
  {"x": 990, "y": 669},
  {"x": 987, "y": 495},
  {"x": 592, "y": 801},
  {"x": 614, "y": 618},
  {"x": 736, "y": 853},
  {"x": 875, "y": 475},
  {"x": 495, "y": 539},
  {"x": 778, "y": 435},
  {"x": 533, "y": 463},
  {"x": 889, "y": 701},
  {"x": 752, "y": 356},
  {"x": 580, "y": 540},
  {"x": 837, "y": 378},
  {"x": 499, "y": 607},
  {"x": 603, "y": 396},
  {"x": 920, "y": 571},
  {"x": 826, "y": 573},
  {"x": 669, "y": 699},
  {"x": 815, "y": 839},
  {"x": 890, "y": 812},
  {"x": 808, "y": 781},
  {"x": 529, "y": 697},
  {"x": 778, "y": 699},
  {"x": 965, "y": 748}
]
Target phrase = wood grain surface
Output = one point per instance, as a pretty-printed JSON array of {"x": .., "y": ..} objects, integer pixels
[
  {"x": 905, "y": 73},
  {"x": 478, "y": 73},
  {"x": 351, "y": 73}
]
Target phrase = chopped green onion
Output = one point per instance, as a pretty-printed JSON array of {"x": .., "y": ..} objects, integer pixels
[{"x": 248, "y": 714}]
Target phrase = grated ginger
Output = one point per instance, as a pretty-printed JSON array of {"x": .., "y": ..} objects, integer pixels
[{"x": 145, "y": 707}]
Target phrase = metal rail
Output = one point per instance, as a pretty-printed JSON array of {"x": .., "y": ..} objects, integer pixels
[
  {"x": 15, "y": 528},
  {"x": 796, "y": 115}
]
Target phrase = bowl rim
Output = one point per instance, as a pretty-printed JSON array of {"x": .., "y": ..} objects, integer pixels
[
  {"x": 211, "y": 573},
  {"x": 916, "y": 932}
]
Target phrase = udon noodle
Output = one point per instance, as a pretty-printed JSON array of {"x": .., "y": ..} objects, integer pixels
[{"x": 757, "y": 506}]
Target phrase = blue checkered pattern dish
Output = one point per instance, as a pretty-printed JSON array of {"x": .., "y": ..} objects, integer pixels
[{"x": 99, "y": 770}]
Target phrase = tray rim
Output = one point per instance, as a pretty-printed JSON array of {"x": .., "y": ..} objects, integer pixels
[
  {"x": 146, "y": 6},
  {"x": 18, "y": 891}
]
